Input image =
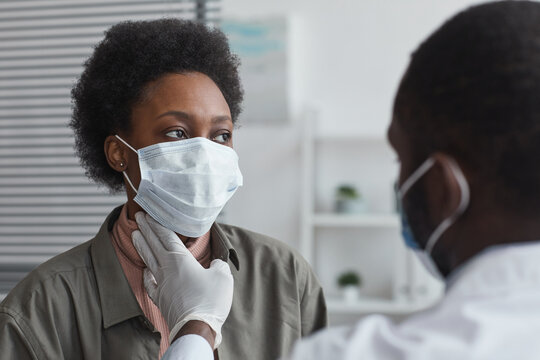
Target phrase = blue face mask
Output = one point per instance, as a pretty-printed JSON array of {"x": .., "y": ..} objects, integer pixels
[
  {"x": 406, "y": 231},
  {"x": 424, "y": 255}
]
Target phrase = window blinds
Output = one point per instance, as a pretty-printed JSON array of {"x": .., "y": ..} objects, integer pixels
[{"x": 47, "y": 205}]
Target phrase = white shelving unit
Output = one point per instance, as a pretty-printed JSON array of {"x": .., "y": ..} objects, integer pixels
[
  {"x": 355, "y": 220},
  {"x": 383, "y": 306},
  {"x": 410, "y": 288}
]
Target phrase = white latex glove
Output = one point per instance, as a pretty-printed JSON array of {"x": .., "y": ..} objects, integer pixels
[{"x": 181, "y": 288}]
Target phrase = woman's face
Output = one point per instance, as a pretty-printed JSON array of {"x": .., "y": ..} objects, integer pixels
[
  {"x": 175, "y": 107},
  {"x": 178, "y": 107}
]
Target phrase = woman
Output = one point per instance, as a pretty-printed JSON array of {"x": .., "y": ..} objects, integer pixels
[{"x": 154, "y": 114}]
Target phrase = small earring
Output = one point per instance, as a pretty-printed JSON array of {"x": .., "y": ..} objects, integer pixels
[{"x": 122, "y": 164}]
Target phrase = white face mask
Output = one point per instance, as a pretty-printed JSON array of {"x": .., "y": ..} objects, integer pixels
[{"x": 185, "y": 184}]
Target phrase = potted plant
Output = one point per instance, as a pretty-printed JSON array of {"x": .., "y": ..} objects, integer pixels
[
  {"x": 350, "y": 283},
  {"x": 349, "y": 200}
]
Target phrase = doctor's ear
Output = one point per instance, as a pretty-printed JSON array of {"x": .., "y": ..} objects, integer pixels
[
  {"x": 115, "y": 153},
  {"x": 443, "y": 182}
]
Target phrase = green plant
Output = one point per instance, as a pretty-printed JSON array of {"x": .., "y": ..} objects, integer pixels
[
  {"x": 349, "y": 278},
  {"x": 347, "y": 192}
]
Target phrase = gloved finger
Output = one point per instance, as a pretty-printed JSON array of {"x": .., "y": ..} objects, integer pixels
[
  {"x": 168, "y": 238},
  {"x": 143, "y": 226},
  {"x": 152, "y": 238},
  {"x": 145, "y": 251},
  {"x": 150, "y": 285},
  {"x": 220, "y": 266}
]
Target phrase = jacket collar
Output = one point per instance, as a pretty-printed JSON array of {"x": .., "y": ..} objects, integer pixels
[
  {"x": 221, "y": 246},
  {"x": 118, "y": 303}
]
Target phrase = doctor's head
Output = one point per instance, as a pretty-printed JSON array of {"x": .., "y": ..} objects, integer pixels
[
  {"x": 470, "y": 98},
  {"x": 152, "y": 82}
]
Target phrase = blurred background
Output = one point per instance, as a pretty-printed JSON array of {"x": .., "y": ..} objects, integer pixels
[{"x": 319, "y": 76}]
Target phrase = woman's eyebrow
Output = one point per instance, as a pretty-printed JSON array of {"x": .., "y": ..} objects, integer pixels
[
  {"x": 186, "y": 116},
  {"x": 175, "y": 113},
  {"x": 221, "y": 118}
]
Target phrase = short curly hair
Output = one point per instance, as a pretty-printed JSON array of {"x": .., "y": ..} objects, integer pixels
[
  {"x": 133, "y": 54},
  {"x": 472, "y": 90}
]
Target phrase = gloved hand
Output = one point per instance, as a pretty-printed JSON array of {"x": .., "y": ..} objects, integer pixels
[{"x": 181, "y": 288}]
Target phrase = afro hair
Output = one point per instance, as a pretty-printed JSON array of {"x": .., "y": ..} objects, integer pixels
[{"x": 133, "y": 54}]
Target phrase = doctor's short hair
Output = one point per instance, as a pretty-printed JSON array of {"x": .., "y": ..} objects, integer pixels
[
  {"x": 131, "y": 55},
  {"x": 472, "y": 90}
]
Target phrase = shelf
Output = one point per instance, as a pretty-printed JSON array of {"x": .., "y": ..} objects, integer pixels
[
  {"x": 373, "y": 305},
  {"x": 347, "y": 137},
  {"x": 356, "y": 220}
]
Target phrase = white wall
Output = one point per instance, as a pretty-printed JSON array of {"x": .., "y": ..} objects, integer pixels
[{"x": 346, "y": 59}]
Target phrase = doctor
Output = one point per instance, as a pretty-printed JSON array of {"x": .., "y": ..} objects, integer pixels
[{"x": 466, "y": 128}]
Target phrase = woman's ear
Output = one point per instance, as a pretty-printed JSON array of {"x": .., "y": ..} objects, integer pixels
[{"x": 116, "y": 153}]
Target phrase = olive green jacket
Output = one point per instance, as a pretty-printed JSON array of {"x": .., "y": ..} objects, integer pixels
[{"x": 79, "y": 304}]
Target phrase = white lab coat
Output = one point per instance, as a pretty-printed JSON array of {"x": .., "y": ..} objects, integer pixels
[{"x": 491, "y": 311}]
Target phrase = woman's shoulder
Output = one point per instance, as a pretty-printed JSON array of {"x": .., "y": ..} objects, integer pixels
[
  {"x": 241, "y": 237},
  {"x": 252, "y": 245},
  {"x": 55, "y": 304},
  {"x": 51, "y": 277}
]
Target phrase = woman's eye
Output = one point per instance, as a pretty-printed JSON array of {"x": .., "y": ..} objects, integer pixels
[
  {"x": 178, "y": 134},
  {"x": 223, "y": 138}
]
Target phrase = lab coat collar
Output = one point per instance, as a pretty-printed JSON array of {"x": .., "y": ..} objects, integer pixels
[{"x": 496, "y": 269}]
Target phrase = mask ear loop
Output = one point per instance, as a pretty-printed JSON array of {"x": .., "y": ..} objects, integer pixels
[
  {"x": 123, "y": 172},
  {"x": 129, "y": 182},
  {"x": 125, "y": 143},
  {"x": 426, "y": 165},
  {"x": 463, "y": 203}
]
